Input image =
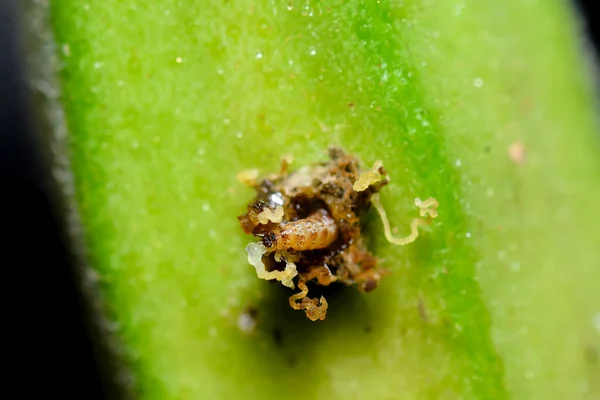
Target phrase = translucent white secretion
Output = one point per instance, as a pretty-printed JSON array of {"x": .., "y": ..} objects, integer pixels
[{"x": 255, "y": 252}]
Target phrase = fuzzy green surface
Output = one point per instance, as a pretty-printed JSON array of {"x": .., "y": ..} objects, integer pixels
[{"x": 166, "y": 101}]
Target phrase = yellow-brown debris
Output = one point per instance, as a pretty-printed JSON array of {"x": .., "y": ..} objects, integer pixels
[{"x": 308, "y": 222}]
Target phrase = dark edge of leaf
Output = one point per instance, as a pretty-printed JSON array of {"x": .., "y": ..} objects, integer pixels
[
  {"x": 44, "y": 95},
  {"x": 589, "y": 52}
]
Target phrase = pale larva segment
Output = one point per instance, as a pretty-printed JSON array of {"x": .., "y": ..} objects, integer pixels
[{"x": 255, "y": 252}]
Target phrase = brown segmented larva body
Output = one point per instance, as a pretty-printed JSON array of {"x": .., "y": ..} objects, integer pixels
[{"x": 317, "y": 231}]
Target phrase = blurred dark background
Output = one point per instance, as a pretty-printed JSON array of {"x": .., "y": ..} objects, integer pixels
[
  {"x": 591, "y": 19},
  {"x": 49, "y": 347},
  {"x": 50, "y": 343}
]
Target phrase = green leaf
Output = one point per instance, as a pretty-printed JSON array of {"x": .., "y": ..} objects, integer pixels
[{"x": 484, "y": 105}]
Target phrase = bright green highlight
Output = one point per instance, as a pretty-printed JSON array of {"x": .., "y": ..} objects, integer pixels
[{"x": 167, "y": 101}]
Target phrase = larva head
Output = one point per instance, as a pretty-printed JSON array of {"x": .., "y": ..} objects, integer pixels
[{"x": 269, "y": 239}]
